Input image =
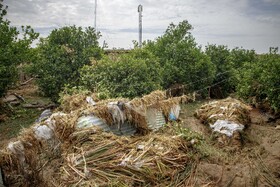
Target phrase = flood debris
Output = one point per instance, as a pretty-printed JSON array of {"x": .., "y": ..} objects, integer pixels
[
  {"x": 227, "y": 117},
  {"x": 80, "y": 145}
]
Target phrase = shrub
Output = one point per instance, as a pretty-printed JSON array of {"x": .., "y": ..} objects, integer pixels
[
  {"x": 182, "y": 60},
  {"x": 228, "y": 63},
  {"x": 130, "y": 75},
  {"x": 62, "y": 54},
  {"x": 12, "y": 49},
  {"x": 259, "y": 81}
]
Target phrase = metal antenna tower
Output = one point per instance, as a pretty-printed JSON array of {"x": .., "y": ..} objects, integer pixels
[
  {"x": 140, "y": 10},
  {"x": 95, "y": 13}
]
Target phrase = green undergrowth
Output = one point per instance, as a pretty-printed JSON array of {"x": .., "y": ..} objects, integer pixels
[
  {"x": 17, "y": 119},
  {"x": 203, "y": 147}
]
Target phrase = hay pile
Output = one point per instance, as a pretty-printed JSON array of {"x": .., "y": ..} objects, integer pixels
[
  {"x": 226, "y": 109},
  {"x": 91, "y": 157},
  {"x": 73, "y": 102},
  {"x": 228, "y": 117},
  {"x": 55, "y": 152},
  {"x": 105, "y": 159},
  {"x": 118, "y": 111}
]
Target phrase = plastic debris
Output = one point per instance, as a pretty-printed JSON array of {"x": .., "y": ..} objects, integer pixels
[
  {"x": 45, "y": 115},
  {"x": 90, "y": 101},
  {"x": 226, "y": 127},
  {"x": 174, "y": 113},
  {"x": 117, "y": 114},
  {"x": 43, "y": 132}
]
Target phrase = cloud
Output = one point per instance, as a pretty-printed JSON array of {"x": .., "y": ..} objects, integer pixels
[{"x": 248, "y": 23}]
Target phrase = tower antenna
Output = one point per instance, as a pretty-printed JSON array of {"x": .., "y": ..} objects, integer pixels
[
  {"x": 95, "y": 13},
  {"x": 140, "y": 10}
]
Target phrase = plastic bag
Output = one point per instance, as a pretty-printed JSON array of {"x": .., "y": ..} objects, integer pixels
[
  {"x": 174, "y": 113},
  {"x": 43, "y": 132},
  {"x": 226, "y": 127}
]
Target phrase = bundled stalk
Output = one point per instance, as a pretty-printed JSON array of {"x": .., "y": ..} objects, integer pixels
[
  {"x": 73, "y": 102},
  {"x": 227, "y": 109},
  {"x": 105, "y": 159}
]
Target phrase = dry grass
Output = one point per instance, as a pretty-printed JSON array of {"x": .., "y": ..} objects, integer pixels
[
  {"x": 103, "y": 159},
  {"x": 226, "y": 109},
  {"x": 93, "y": 157}
]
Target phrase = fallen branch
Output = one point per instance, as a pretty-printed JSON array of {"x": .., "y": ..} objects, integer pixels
[
  {"x": 24, "y": 83},
  {"x": 39, "y": 106},
  {"x": 19, "y": 97}
]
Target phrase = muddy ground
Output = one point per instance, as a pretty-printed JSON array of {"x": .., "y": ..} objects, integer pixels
[{"x": 255, "y": 163}]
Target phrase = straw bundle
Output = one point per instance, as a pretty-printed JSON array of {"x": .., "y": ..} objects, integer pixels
[
  {"x": 148, "y": 100},
  {"x": 232, "y": 113},
  {"x": 21, "y": 160},
  {"x": 73, "y": 102},
  {"x": 166, "y": 105},
  {"x": 226, "y": 109},
  {"x": 104, "y": 159}
]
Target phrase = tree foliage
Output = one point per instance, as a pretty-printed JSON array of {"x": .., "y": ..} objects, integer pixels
[
  {"x": 259, "y": 81},
  {"x": 13, "y": 50},
  {"x": 129, "y": 75},
  {"x": 182, "y": 60},
  {"x": 228, "y": 63},
  {"x": 62, "y": 54}
]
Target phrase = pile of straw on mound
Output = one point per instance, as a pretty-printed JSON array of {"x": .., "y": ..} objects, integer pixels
[
  {"x": 91, "y": 157},
  {"x": 226, "y": 109},
  {"x": 117, "y": 111},
  {"x": 55, "y": 153},
  {"x": 104, "y": 159},
  {"x": 228, "y": 117}
]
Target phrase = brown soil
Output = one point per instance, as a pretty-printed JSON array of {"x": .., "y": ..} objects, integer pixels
[{"x": 256, "y": 163}]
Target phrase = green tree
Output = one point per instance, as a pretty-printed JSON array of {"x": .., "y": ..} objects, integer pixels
[
  {"x": 62, "y": 54},
  {"x": 182, "y": 60},
  {"x": 129, "y": 75},
  {"x": 258, "y": 82},
  {"x": 219, "y": 55},
  {"x": 238, "y": 56},
  {"x": 228, "y": 64},
  {"x": 13, "y": 50}
]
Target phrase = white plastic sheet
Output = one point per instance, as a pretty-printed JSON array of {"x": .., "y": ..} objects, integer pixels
[
  {"x": 174, "y": 112},
  {"x": 226, "y": 127},
  {"x": 117, "y": 114},
  {"x": 43, "y": 132},
  {"x": 90, "y": 101}
]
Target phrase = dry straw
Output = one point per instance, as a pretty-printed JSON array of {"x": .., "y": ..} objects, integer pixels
[
  {"x": 95, "y": 158},
  {"x": 226, "y": 109}
]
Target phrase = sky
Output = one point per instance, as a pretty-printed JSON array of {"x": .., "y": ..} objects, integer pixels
[{"x": 251, "y": 24}]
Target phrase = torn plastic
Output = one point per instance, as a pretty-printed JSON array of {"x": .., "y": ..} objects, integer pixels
[
  {"x": 174, "y": 113},
  {"x": 45, "y": 115},
  {"x": 90, "y": 101},
  {"x": 226, "y": 127},
  {"x": 155, "y": 119},
  {"x": 116, "y": 112},
  {"x": 43, "y": 132}
]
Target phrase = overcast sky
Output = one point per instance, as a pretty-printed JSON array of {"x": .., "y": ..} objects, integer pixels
[{"x": 251, "y": 24}]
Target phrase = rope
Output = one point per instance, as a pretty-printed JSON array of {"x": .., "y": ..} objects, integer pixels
[{"x": 191, "y": 83}]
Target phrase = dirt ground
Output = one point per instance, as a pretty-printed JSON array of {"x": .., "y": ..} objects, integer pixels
[
  {"x": 256, "y": 163},
  {"x": 16, "y": 117}
]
